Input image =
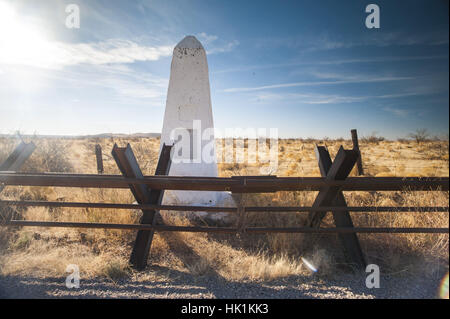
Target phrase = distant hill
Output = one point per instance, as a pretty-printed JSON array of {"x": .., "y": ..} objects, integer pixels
[{"x": 102, "y": 135}]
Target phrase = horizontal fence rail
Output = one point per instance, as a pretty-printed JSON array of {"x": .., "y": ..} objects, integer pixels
[
  {"x": 250, "y": 230},
  {"x": 233, "y": 184},
  {"x": 362, "y": 209}
]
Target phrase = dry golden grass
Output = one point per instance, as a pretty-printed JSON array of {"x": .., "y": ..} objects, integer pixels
[{"x": 47, "y": 251}]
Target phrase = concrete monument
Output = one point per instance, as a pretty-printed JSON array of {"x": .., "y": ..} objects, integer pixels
[{"x": 188, "y": 122}]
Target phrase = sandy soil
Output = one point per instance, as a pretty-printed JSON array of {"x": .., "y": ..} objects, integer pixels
[{"x": 181, "y": 285}]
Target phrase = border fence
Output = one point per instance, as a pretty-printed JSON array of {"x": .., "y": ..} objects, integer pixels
[{"x": 149, "y": 191}]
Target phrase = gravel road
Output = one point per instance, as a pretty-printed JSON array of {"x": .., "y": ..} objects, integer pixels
[{"x": 182, "y": 285}]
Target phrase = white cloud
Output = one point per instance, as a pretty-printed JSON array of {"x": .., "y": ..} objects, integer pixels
[
  {"x": 326, "y": 41},
  {"x": 114, "y": 82},
  {"x": 125, "y": 81},
  {"x": 205, "y": 38},
  {"x": 381, "y": 59},
  {"x": 59, "y": 54},
  {"x": 316, "y": 83},
  {"x": 316, "y": 98},
  {"x": 338, "y": 76},
  {"x": 113, "y": 51},
  {"x": 396, "y": 111},
  {"x": 213, "y": 44},
  {"x": 310, "y": 98},
  {"x": 25, "y": 42},
  {"x": 227, "y": 47}
]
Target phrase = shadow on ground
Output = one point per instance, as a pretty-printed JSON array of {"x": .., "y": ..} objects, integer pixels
[{"x": 176, "y": 284}]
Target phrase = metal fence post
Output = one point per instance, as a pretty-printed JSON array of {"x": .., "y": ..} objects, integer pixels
[
  {"x": 356, "y": 148},
  {"x": 349, "y": 241},
  {"x": 127, "y": 163},
  {"x": 98, "y": 155}
]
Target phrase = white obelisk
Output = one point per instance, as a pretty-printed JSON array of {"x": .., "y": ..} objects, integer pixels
[{"x": 188, "y": 114}]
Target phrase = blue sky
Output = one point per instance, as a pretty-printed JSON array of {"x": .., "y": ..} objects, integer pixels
[{"x": 308, "y": 68}]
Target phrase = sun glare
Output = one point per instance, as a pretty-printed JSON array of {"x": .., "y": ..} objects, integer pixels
[{"x": 21, "y": 42}]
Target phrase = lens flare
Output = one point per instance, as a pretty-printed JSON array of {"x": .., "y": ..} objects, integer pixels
[
  {"x": 309, "y": 265},
  {"x": 443, "y": 290},
  {"x": 23, "y": 42}
]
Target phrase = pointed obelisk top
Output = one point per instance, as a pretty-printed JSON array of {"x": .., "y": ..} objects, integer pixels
[{"x": 189, "y": 42}]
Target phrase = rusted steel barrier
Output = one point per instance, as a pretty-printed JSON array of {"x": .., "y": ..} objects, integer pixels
[
  {"x": 238, "y": 184},
  {"x": 355, "y": 142},
  {"x": 99, "y": 158},
  {"x": 148, "y": 191},
  {"x": 217, "y": 209}
]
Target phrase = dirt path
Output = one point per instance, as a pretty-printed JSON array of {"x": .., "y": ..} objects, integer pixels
[{"x": 181, "y": 285}]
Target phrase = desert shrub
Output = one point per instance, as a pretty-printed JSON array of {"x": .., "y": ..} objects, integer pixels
[
  {"x": 420, "y": 135},
  {"x": 49, "y": 156},
  {"x": 372, "y": 138},
  {"x": 22, "y": 241},
  {"x": 308, "y": 140}
]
